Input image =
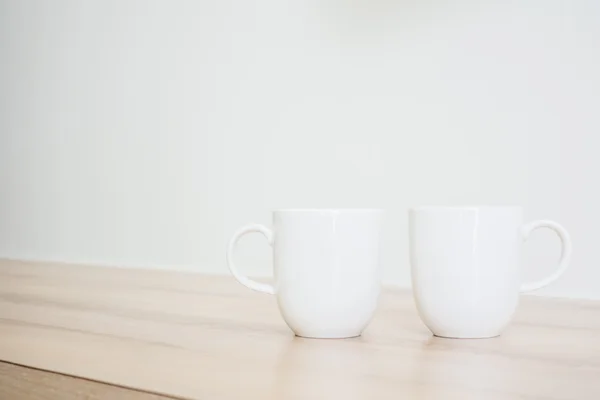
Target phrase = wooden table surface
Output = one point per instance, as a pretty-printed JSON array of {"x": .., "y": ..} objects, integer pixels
[
  {"x": 22, "y": 383},
  {"x": 201, "y": 337}
]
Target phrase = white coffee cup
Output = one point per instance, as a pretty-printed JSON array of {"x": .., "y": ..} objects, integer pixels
[
  {"x": 466, "y": 274},
  {"x": 326, "y": 269}
]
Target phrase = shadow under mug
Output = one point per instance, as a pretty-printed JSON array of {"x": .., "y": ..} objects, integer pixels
[
  {"x": 326, "y": 268},
  {"x": 465, "y": 267}
]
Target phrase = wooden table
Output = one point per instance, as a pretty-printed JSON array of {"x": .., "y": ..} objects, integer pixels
[
  {"x": 201, "y": 337},
  {"x": 22, "y": 383}
]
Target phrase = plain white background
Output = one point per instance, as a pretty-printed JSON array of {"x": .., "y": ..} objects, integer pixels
[{"x": 144, "y": 133}]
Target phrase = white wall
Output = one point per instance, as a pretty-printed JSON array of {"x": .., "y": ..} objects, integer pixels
[{"x": 145, "y": 133}]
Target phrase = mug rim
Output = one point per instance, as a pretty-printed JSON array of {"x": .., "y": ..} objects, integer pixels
[
  {"x": 328, "y": 210},
  {"x": 465, "y": 207}
]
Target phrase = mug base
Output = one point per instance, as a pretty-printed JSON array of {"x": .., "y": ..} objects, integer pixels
[
  {"x": 328, "y": 335},
  {"x": 467, "y": 336}
]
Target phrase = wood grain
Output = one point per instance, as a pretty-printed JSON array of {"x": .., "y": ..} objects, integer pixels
[
  {"x": 206, "y": 337},
  {"x": 21, "y": 383}
]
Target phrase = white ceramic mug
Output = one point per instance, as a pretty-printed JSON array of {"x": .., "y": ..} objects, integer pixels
[
  {"x": 326, "y": 269},
  {"x": 465, "y": 267}
]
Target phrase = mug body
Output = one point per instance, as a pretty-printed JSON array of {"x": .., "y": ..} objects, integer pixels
[
  {"x": 327, "y": 270},
  {"x": 465, "y": 268}
]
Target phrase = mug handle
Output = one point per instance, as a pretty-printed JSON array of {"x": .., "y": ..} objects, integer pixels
[
  {"x": 564, "y": 257},
  {"x": 244, "y": 280}
]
